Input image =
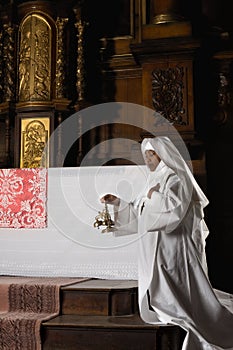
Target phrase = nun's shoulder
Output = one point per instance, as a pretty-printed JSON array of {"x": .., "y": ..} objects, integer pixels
[{"x": 171, "y": 177}]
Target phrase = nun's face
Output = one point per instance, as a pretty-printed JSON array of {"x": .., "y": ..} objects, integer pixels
[{"x": 152, "y": 160}]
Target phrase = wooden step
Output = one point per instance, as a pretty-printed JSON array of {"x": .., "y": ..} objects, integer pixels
[
  {"x": 103, "y": 314},
  {"x": 72, "y": 332},
  {"x": 100, "y": 298}
]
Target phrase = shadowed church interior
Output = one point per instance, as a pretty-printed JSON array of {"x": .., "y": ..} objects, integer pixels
[{"x": 62, "y": 58}]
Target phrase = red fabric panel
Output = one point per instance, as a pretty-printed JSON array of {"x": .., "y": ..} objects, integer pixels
[{"x": 23, "y": 197}]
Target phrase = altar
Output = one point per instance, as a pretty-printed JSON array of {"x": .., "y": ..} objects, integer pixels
[{"x": 70, "y": 245}]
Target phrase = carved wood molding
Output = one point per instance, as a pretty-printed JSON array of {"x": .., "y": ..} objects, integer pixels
[
  {"x": 167, "y": 93},
  {"x": 80, "y": 71},
  {"x": 60, "y": 60},
  {"x": 1, "y": 66},
  {"x": 224, "y": 63},
  {"x": 8, "y": 63}
]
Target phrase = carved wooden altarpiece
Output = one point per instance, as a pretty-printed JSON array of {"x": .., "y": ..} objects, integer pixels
[{"x": 39, "y": 75}]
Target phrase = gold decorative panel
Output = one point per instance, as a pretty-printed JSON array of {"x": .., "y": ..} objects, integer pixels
[
  {"x": 35, "y": 50},
  {"x": 34, "y": 138}
]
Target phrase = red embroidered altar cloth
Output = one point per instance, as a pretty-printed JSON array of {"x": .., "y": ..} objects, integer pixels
[{"x": 23, "y": 196}]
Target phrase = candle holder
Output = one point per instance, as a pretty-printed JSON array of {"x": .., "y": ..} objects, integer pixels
[{"x": 104, "y": 219}]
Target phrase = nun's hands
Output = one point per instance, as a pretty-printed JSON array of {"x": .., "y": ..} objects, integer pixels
[
  {"x": 153, "y": 189},
  {"x": 110, "y": 199}
]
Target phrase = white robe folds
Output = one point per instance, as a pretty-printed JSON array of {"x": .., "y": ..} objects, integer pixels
[{"x": 172, "y": 264}]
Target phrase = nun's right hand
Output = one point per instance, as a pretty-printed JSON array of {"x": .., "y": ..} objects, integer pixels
[
  {"x": 153, "y": 189},
  {"x": 110, "y": 199}
]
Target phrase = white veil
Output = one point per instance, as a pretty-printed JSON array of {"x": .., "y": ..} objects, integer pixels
[{"x": 170, "y": 155}]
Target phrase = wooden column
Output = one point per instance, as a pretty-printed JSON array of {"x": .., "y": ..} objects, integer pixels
[
  {"x": 166, "y": 11},
  {"x": 80, "y": 103},
  {"x": 6, "y": 115},
  {"x": 166, "y": 21}
]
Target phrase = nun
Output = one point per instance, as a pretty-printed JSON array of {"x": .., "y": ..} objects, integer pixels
[{"x": 173, "y": 283}]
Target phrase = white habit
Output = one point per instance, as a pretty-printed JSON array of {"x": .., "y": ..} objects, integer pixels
[{"x": 172, "y": 265}]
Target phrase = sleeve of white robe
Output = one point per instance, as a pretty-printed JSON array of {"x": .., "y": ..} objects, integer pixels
[
  {"x": 164, "y": 211},
  {"x": 126, "y": 217}
]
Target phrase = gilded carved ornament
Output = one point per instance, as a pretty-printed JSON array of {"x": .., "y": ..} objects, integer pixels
[
  {"x": 80, "y": 82},
  {"x": 8, "y": 59},
  {"x": 35, "y": 59},
  {"x": 34, "y": 138},
  {"x": 60, "y": 61}
]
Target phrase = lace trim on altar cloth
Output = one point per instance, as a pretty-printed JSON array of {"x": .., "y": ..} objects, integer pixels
[{"x": 99, "y": 270}]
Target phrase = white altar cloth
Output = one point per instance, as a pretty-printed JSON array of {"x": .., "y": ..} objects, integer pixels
[{"x": 70, "y": 245}]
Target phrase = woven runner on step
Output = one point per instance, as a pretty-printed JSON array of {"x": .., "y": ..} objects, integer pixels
[{"x": 24, "y": 303}]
